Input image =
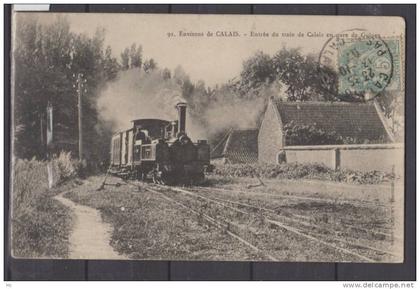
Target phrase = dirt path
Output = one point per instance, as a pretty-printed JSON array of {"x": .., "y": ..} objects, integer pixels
[{"x": 90, "y": 236}]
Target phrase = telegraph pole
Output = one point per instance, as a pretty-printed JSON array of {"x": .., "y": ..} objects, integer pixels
[
  {"x": 49, "y": 144},
  {"x": 79, "y": 104},
  {"x": 41, "y": 124},
  {"x": 49, "y": 126}
]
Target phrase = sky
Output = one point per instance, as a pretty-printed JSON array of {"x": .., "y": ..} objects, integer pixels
[{"x": 217, "y": 59}]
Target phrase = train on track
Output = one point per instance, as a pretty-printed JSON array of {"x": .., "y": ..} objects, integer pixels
[{"x": 161, "y": 151}]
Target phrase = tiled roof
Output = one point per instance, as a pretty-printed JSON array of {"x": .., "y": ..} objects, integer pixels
[
  {"x": 356, "y": 120},
  {"x": 217, "y": 150},
  {"x": 240, "y": 146}
]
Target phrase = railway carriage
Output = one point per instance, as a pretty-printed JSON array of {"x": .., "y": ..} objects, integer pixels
[{"x": 161, "y": 151}]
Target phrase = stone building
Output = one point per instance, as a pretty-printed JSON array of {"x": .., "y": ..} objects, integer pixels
[{"x": 363, "y": 122}]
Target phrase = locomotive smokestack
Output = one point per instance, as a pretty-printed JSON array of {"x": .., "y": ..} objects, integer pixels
[{"x": 182, "y": 112}]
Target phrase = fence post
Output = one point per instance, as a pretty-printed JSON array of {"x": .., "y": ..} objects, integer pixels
[
  {"x": 393, "y": 185},
  {"x": 336, "y": 158},
  {"x": 80, "y": 111},
  {"x": 392, "y": 200}
]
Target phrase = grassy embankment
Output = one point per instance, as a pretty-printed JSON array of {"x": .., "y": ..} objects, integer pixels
[{"x": 40, "y": 224}]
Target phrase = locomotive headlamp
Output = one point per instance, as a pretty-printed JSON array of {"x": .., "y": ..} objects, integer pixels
[{"x": 184, "y": 139}]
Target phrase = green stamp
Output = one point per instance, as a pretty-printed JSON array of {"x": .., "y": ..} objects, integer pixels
[
  {"x": 364, "y": 64},
  {"x": 368, "y": 66},
  {"x": 394, "y": 47}
]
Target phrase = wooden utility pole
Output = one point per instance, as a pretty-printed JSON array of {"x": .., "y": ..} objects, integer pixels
[
  {"x": 41, "y": 124},
  {"x": 79, "y": 104},
  {"x": 49, "y": 126},
  {"x": 49, "y": 144}
]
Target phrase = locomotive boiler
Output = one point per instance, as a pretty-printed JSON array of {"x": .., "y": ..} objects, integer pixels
[{"x": 161, "y": 151}]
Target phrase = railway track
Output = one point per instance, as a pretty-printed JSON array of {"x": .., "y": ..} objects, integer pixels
[
  {"x": 220, "y": 225},
  {"x": 217, "y": 224},
  {"x": 300, "y": 228},
  {"x": 303, "y": 217},
  {"x": 367, "y": 204},
  {"x": 330, "y": 238}
]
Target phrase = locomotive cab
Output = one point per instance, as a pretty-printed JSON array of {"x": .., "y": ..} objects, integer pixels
[{"x": 141, "y": 137}]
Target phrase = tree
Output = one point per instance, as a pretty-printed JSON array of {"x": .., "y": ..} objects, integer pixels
[
  {"x": 125, "y": 59},
  {"x": 136, "y": 56},
  {"x": 180, "y": 75},
  {"x": 111, "y": 65},
  {"x": 149, "y": 65},
  {"x": 42, "y": 58},
  {"x": 166, "y": 74},
  {"x": 298, "y": 73},
  {"x": 47, "y": 59},
  {"x": 257, "y": 70}
]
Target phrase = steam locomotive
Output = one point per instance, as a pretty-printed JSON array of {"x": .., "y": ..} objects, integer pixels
[{"x": 159, "y": 150}]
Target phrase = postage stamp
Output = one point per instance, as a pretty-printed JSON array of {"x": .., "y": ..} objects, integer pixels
[{"x": 366, "y": 64}]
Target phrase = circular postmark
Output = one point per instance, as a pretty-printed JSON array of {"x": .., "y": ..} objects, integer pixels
[{"x": 360, "y": 63}]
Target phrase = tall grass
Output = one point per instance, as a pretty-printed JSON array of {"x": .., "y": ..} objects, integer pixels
[{"x": 40, "y": 224}]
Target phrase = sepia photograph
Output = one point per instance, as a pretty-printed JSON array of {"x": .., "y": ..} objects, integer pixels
[{"x": 207, "y": 137}]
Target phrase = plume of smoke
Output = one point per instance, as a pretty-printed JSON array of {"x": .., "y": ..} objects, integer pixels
[
  {"x": 136, "y": 94},
  {"x": 228, "y": 110},
  {"x": 233, "y": 114}
]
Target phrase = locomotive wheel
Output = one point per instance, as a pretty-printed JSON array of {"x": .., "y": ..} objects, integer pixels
[{"x": 163, "y": 178}]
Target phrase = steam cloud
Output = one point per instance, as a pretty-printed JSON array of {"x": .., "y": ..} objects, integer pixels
[
  {"x": 224, "y": 114},
  {"x": 136, "y": 94}
]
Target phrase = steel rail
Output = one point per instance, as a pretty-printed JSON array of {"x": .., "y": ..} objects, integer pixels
[
  {"x": 304, "y": 217},
  {"x": 367, "y": 204},
  {"x": 294, "y": 229},
  {"x": 215, "y": 223}
]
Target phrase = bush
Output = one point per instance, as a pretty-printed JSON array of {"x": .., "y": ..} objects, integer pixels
[
  {"x": 300, "y": 134},
  {"x": 301, "y": 171},
  {"x": 65, "y": 167},
  {"x": 29, "y": 179}
]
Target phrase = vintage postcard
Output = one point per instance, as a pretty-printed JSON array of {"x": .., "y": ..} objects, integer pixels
[{"x": 207, "y": 137}]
